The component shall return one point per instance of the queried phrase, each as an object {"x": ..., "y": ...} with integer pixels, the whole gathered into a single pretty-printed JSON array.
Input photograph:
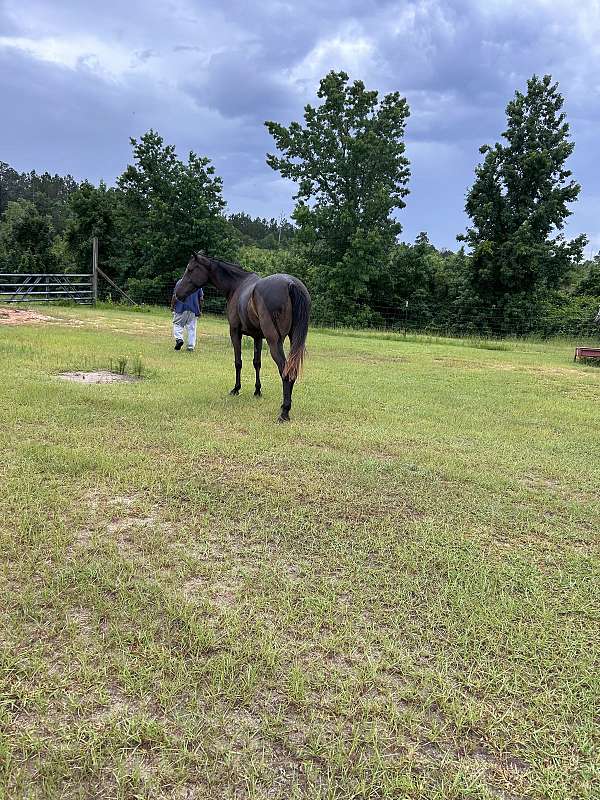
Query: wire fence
[
  {"x": 481, "y": 322},
  {"x": 442, "y": 321},
  {"x": 214, "y": 303}
]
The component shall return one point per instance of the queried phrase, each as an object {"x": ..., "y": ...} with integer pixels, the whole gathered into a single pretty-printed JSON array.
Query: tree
[
  {"x": 519, "y": 203},
  {"x": 25, "y": 239},
  {"x": 93, "y": 213},
  {"x": 13, "y": 186},
  {"x": 417, "y": 275},
  {"x": 268, "y": 262},
  {"x": 49, "y": 193},
  {"x": 268, "y": 234},
  {"x": 589, "y": 283},
  {"x": 167, "y": 208},
  {"x": 349, "y": 165}
]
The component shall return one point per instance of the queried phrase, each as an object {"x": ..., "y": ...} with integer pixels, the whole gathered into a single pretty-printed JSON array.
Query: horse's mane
[{"x": 229, "y": 266}]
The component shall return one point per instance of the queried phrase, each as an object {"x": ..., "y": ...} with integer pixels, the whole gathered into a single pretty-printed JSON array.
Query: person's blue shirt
[{"x": 191, "y": 303}]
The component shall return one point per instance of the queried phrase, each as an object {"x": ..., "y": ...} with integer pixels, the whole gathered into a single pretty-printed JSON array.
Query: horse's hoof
[
  {"x": 234, "y": 391},
  {"x": 281, "y": 418},
  {"x": 258, "y": 393}
]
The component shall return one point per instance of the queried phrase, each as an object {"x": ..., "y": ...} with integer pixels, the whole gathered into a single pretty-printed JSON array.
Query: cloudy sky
[{"x": 78, "y": 79}]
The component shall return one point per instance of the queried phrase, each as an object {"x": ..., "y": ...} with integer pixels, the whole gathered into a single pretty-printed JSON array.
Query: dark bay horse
[{"x": 271, "y": 308}]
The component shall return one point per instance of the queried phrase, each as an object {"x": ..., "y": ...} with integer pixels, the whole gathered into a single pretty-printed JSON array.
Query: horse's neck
[{"x": 226, "y": 277}]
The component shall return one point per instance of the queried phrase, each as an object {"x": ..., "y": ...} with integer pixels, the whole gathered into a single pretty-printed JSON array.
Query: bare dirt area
[
  {"x": 19, "y": 316},
  {"x": 101, "y": 376}
]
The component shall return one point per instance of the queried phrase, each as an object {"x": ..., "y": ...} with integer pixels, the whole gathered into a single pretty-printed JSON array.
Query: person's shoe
[
  {"x": 178, "y": 344},
  {"x": 190, "y": 349}
]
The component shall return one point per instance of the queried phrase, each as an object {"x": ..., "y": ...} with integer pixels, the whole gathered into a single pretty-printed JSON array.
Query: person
[{"x": 185, "y": 314}]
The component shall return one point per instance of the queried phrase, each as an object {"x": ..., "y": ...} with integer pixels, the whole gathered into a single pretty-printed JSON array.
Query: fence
[
  {"x": 481, "y": 322},
  {"x": 46, "y": 287},
  {"x": 443, "y": 320}
]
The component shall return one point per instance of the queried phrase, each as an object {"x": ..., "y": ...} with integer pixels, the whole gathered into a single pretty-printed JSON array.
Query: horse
[{"x": 270, "y": 308}]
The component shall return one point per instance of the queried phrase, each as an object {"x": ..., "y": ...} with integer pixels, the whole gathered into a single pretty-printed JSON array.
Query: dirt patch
[
  {"x": 18, "y": 316},
  {"x": 189, "y": 792},
  {"x": 123, "y": 500},
  {"x": 80, "y": 619},
  {"x": 118, "y": 525},
  {"x": 539, "y": 482},
  {"x": 102, "y": 376},
  {"x": 192, "y": 587},
  {"x": 83, "y": 537},
  {"x": 224, "y": 595},
  {"x": 117, "y": 705},
  {"x": 140, "y": 765}
]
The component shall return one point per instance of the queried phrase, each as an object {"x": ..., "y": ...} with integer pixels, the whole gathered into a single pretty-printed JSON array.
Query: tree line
[{"x": 513, "y": 272}]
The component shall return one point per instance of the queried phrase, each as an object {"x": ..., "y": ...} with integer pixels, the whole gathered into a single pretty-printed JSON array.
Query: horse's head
[{"x": 196, "y": 275}]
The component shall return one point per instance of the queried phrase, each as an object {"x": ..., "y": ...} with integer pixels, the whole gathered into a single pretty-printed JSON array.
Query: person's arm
[{"x": 200, "y": 302}]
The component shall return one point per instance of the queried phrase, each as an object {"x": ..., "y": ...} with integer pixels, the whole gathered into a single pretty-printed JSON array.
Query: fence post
[{"x": 95, "y": 270}]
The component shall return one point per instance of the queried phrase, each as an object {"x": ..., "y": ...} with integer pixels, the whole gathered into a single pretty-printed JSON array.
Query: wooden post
[{"x": 95, "y": 270}]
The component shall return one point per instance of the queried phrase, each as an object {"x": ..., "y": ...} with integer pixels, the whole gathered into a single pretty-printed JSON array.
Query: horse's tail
[{"x": 300, "y": 313}]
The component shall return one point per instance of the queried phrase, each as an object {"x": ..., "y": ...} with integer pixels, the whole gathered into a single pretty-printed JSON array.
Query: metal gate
[{"x": 44, "y": 288}]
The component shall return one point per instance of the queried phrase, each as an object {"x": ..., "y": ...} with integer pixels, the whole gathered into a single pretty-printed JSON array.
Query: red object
[{"x": 587, "y": 352}]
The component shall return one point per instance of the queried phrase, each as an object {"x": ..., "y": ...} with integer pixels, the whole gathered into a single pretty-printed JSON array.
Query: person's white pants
[{"x": 183, "y": 321}]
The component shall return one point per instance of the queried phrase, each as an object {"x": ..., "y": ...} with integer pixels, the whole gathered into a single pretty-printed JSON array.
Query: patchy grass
[{"x": 397, "y": 595}]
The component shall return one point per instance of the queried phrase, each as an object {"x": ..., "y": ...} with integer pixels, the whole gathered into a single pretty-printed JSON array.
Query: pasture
[{"x": 396, "y": 595}]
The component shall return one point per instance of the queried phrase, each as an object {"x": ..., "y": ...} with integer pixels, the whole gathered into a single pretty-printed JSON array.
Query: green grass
[{"x": 396, "y": 595}]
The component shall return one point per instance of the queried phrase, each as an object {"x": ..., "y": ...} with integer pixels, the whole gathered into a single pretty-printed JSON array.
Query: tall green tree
[
  {"x": 167, "y": 208},
  {"x": 417, "y": 277},
  {"x": 93, "y": 213},
  {"x": 49, "y": 193},
  {"x": 269, "y": 234},
  {"x": 26, "y": 238},
  {"x": 348, "y": 161},
  {"x": 589, "y": 282},
  {"x": 518, "y": 205},
  {"x": 13, "y": 185}
]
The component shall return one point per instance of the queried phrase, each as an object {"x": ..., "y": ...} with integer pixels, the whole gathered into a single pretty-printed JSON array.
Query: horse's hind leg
[
  {"x": 236, "y": 341},
  {"x": 288, "y": 386},
  {"x": 278, "y": 354},
  {"x": 257, "y": 363}
]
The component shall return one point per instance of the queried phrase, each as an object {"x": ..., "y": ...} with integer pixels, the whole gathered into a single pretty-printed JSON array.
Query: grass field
[{"x": 397, "y": 595}]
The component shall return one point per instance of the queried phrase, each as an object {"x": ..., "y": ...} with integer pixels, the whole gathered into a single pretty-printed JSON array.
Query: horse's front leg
[
  {"x": 236, "y": 341},
  {"x": 257, "y": 363}
]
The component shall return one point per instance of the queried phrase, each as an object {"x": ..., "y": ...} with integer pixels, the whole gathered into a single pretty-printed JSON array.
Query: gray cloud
[
  {"x": 7, "y": 26},
  {"x": 240, "y": 85},
  {"x": 76, "y": 81},
  {"x": 64, "y": 120}
]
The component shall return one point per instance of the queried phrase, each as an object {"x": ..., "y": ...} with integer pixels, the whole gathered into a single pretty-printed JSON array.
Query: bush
[{"x": 569, "y": 315}]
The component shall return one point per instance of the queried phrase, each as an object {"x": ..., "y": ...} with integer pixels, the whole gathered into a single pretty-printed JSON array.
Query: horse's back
[{"x": 274, "y": 290}]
